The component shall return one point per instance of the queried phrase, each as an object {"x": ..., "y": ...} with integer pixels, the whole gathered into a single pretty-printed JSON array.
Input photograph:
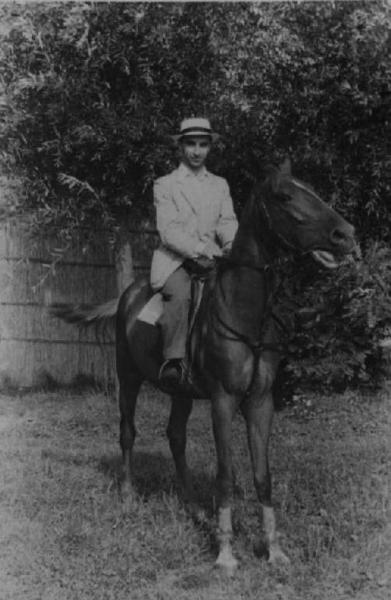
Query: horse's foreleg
[
  {"x": 129, "y": 386},
  {"x": 223, "y": 410},
  {"x": 176, "y": 433},
  {"x": 258, "y": 413}
]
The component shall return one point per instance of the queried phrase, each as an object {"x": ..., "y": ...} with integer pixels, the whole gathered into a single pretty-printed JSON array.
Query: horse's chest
[
  {"x": 241, "y": 372},
  {"x": 233, "y": 370}
]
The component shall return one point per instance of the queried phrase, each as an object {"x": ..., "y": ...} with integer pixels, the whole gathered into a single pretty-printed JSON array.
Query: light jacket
[{"x": 190, "y": 211}]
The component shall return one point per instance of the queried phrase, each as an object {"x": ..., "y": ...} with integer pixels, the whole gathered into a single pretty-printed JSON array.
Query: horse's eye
[
  {"x": 298, "y": 216},
  {"x": 284, "y": 197}
]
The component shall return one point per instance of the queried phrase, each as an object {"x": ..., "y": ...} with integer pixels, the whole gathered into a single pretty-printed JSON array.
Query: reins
[{"x": 257, "y": 346}]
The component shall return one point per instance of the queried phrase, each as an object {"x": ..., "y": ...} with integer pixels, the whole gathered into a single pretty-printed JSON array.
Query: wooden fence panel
[
  {"x": 35, "y": 273},
  {"x": 26, "y": 281}
]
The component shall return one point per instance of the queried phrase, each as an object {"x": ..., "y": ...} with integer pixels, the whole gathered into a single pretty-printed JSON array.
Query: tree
[{"x": 91, "y": 95}]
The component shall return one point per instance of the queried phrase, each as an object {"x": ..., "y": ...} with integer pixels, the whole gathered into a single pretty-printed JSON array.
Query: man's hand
[
  {"x": 199, "y": 266},
  {"x": 211, "y": 250},
  {"x": 204, "y": 263}
]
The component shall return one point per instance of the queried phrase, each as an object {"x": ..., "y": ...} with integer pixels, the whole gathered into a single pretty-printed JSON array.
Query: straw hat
[{"x": 195, "y": 127}]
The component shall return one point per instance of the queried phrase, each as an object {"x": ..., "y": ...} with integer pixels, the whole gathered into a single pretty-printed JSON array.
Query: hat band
[{"x": 196, "y": 130}]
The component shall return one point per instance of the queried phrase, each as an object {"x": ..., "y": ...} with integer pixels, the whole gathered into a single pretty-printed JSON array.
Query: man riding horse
[
  {"x": 237, "y": 353},
  {"x": 196, "y": 223}
]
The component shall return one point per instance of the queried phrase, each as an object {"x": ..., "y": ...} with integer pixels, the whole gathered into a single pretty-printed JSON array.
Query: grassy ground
[{"x": 65, "y": 536}]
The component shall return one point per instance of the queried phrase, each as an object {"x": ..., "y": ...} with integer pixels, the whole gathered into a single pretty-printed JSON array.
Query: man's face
[{"x": 195, "y": 150}]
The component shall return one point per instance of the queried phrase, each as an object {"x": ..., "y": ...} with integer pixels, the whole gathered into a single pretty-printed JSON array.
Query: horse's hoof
[
  {"x": 278, "y": 558},
  {"x": 227, "y": 565},
  {"x": 127, "y": 496}
]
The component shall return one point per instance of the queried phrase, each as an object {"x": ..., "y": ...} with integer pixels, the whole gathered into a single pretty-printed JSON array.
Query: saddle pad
[{"x": 152, "y": 311}]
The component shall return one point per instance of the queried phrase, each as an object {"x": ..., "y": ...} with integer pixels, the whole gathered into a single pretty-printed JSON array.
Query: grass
[{"x": 65, "y": 534}]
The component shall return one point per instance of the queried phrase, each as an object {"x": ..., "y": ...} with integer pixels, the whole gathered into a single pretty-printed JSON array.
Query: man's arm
[{"x": 228, "y": 224}]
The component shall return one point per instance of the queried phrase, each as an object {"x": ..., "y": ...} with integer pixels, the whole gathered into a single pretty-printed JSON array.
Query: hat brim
[{"x": 180, "y": 136}]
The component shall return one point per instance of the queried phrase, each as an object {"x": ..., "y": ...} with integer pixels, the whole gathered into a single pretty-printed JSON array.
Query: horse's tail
[{"x": 85, "y": 315}]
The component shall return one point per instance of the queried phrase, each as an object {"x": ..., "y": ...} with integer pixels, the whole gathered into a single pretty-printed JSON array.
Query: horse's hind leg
[
  {"x": 129, "y": 387},
  {"x": 176, "y": 433}
]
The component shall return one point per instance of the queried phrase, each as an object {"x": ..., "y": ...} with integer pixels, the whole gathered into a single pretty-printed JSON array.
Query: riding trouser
[{"x": 175, "y": 318}]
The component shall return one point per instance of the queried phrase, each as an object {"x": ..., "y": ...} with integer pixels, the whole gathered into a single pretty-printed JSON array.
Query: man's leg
[{"x": 174, "y": 321}]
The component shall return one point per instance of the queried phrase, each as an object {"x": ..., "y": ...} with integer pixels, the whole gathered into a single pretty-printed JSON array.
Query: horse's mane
[
  {"x": 271, "y": 176},
  {"x": 266, "y": 183},
  {"x": 268, "y": 170}
]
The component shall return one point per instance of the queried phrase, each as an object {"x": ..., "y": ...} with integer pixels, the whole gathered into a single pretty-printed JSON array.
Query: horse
[{"x": 235, "y": 345}]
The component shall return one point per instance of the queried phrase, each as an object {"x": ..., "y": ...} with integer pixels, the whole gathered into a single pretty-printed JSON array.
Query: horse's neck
[
  {"x": 254, "y": 241},
  {"x": 247, "y": 286}
]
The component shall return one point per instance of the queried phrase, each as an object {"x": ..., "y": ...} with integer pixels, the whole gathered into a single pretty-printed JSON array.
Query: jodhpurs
[{"x": 174, "y": 320}]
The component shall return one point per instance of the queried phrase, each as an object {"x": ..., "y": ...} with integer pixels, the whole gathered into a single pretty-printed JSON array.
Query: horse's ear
[{"x": 286, "y": 167}]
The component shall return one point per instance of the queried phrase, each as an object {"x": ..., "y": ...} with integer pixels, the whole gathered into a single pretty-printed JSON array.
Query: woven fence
[{"x": 36, "y": 348}]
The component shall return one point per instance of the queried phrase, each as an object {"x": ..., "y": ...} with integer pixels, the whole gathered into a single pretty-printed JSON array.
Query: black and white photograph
[{"x": 195, "y": 299}]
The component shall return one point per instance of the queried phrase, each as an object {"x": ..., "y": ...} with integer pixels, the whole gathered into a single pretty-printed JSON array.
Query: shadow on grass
[
  {"x": 154, "y": 473},
  {"x": 154, "y": 476}
]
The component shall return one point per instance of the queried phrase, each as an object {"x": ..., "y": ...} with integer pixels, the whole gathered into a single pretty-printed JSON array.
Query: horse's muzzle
[{"x": 342, "y": 238}]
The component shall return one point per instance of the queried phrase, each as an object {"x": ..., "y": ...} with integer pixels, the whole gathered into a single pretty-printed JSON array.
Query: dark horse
[{"x": 235, "y": 346}]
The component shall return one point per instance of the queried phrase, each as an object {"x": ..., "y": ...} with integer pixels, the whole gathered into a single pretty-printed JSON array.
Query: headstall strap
[{"x": 269, "y": 222}]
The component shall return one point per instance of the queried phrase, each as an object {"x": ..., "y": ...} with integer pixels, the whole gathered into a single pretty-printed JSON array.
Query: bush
[{"x": 341, "y": 319}]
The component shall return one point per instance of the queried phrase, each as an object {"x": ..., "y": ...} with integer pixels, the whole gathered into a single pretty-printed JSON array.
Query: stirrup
[{"x": 179, "y": 365}]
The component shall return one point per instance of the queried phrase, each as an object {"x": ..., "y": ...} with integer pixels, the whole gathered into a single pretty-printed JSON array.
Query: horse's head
[{"x": 304, "y": 222}]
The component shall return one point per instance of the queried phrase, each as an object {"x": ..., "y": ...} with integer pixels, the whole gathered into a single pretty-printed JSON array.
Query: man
[{"x": 195, "y": 220}]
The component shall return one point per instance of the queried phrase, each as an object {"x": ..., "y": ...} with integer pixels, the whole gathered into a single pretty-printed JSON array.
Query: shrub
[{"x": 350, "y": 310}]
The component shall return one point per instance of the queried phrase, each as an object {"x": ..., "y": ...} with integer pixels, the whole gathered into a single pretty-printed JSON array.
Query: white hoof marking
[
  {"x": 227, "y": 563},
  {"x": 277, "y": 557}
]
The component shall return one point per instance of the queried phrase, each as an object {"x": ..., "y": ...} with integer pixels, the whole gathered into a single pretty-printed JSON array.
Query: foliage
[
  {"x": 91, "y": 92},
  {"x": 341, "y": 345}
]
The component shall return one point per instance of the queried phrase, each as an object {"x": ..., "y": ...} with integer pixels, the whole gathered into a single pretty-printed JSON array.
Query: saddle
[{"x": 153, "y": 309}]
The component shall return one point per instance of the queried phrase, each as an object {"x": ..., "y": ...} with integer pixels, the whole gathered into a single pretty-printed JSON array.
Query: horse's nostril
[{"x": 338, "y": 236}]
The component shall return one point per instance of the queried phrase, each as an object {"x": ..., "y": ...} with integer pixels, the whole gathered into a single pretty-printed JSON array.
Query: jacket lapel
[{"x": 188, "y": 191}]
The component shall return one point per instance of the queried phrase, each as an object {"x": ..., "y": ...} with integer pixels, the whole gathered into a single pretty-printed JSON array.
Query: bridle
[
  {"x": 232, "y": 334},
  {"x": 279, "y": 235}
]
